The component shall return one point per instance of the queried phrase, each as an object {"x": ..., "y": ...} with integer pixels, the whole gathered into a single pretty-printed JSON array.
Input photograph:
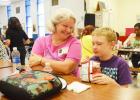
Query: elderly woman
[{"x": 60, "y": 50}]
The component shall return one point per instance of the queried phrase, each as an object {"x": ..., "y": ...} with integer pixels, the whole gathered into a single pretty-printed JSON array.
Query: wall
[
  {"x": 34, "y": 14},
  {"x": 129, "y": 10},
  {"x": 3, "y": 16},
  {"x": 114, "y": 10},
  {"x": 123, "y": 12},
  {"x": 91, "y": 5},
  {"x": 3, "y": 19},
  {"x": 73, "y": 5},
  {"x": 20, "y": 15},
  {"x": 77, "y": 8},
  {"x": 104, "y": 16}
]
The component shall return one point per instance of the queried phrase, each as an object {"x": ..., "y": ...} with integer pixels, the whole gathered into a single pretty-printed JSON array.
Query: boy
[{"x": 114, "y": 69}]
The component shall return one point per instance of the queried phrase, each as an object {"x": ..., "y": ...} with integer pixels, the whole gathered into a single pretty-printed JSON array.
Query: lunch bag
[{"x": 32, "y": 85}]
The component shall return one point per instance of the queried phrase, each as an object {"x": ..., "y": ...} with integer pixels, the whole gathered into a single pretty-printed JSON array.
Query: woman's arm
[
  {"x": 62, "y": 67},
  {"x": 37, "y": 62}
]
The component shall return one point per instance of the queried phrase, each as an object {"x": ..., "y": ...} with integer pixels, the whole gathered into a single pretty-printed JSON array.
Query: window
[
  {"x": 29, "y": 28},
  {"x": 41, "y": 17},
  {"x": 9, "y": 11}
]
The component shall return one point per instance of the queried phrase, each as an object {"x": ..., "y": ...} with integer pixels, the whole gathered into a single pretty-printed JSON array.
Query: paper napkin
[{"x": 77, "y": 87}]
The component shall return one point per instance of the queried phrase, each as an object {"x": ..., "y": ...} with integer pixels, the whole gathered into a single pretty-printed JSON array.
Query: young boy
[{"x": 115, "y": 70}]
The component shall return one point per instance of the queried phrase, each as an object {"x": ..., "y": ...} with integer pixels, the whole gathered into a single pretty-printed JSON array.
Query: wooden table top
[
  {"x": 5, "y": 64},
  {"x": 5, "y": 68},
  {"x": 96, "y": 92}
]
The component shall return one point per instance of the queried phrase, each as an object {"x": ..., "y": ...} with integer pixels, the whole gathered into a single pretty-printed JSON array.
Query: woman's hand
[
  {"x": 34, "y": 60},
  {"x": 85, "y": 60},
  {"x": 102, "y": 79},
  {"x": 26, "y": 41},
  {"x": 7, "y": 42}
]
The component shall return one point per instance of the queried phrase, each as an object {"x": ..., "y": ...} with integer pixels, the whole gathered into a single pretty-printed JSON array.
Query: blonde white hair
[{"x": 59, "y": 16}]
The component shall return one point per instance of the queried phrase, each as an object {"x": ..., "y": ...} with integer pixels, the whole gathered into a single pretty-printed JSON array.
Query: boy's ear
[{"x": 113, "y": 43}]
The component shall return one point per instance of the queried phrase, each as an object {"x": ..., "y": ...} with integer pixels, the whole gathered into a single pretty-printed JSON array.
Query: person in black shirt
[{"x": 16, "y": 37}]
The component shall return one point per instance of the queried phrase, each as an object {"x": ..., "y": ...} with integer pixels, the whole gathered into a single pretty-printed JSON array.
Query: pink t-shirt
[{"x": 71, "y": 49}]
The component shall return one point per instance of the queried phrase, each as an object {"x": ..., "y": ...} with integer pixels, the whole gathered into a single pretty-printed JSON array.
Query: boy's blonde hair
[{"x": 107, "y": 32}]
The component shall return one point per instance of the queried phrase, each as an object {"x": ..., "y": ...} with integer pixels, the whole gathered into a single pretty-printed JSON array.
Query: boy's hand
[
  {"x": 7, "y": 42},
  {"x": 100, "y": 78}
]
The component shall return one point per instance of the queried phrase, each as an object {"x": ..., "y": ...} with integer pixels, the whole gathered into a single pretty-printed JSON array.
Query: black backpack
[{"x": 32, "y": 85}]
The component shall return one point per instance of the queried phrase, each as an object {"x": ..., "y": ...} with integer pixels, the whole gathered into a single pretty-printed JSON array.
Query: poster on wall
[{"x": 17, "y": 10}]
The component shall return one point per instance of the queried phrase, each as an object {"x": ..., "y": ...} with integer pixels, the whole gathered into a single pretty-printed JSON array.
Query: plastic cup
[{"x": 96, "y": 67}]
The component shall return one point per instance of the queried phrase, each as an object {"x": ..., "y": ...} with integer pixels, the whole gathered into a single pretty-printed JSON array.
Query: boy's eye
[
  {"x": 65, "y": 26},
  {"x": 99, "y": 43}
]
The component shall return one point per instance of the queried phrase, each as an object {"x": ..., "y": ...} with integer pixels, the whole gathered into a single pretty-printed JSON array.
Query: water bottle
[{"x": 15, "y": 59}]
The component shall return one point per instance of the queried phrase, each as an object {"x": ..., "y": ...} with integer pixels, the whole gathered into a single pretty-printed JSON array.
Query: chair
[
  {"x": 122, "y": 38},
  {"x": 35, "y": 36}
]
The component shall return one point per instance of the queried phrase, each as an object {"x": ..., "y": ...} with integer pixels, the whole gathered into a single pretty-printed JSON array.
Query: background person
[
  {"x": 86, "y": 43},
  {"x": 134, "y": 41},
  {"x": 16, "y": 37},
  {"x": 134, "y": 38},
  {"x": 60, "y": 49}
]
